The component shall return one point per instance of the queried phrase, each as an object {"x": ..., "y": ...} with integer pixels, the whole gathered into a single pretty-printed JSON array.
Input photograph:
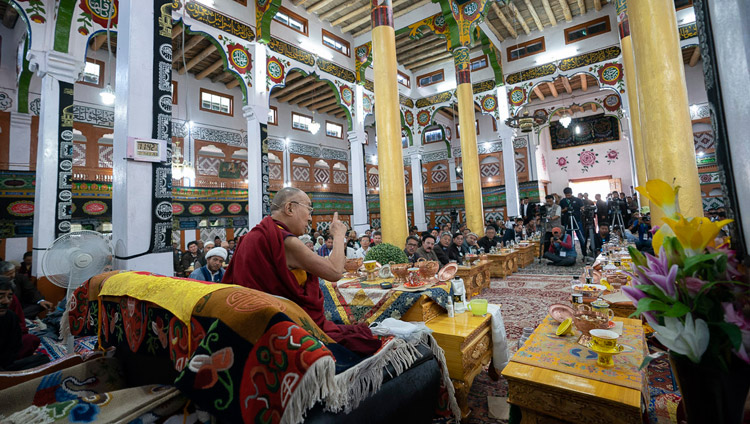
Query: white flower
[{"x": 690, "y": 339}]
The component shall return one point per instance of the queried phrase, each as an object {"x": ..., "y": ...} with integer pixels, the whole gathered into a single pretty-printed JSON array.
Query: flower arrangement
[{"x": 692, "y": 292}]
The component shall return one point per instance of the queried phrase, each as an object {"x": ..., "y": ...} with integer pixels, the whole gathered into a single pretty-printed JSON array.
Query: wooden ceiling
[
  {"x": 9, "y": 15},
  {"x": 100, "y": 42},
  {"x": 563, "y": 85},
  {"x": 520, "y": 17},
  {"x": 201, "y": 58},
  {"x": 691, "y": 55},
  {"x": 310, "y": 93}
]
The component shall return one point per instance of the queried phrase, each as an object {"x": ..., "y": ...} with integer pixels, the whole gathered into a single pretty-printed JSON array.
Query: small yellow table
[
  {"x": 476, "y": 278},
  {"x": 467, "y": 342}
]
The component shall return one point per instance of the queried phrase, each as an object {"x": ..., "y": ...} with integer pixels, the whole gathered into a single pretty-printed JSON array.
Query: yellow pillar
[
  {"x": 469, "y": 156},
  {"x": 666, "y": 129},
  {"x": 388, "y": 126},
  {"x": 630, "y": 80}
]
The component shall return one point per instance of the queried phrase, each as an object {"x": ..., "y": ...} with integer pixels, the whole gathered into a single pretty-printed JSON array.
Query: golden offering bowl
[{"x": 370, "y": 265}]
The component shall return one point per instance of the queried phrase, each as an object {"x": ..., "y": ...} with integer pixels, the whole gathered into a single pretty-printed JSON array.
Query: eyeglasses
[
  {"x": 309, "y": 208},
  {"x": 412, "y": 244}
]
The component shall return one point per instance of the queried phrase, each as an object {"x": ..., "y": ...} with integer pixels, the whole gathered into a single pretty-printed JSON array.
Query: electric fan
[{"x": 71, "y": 260}]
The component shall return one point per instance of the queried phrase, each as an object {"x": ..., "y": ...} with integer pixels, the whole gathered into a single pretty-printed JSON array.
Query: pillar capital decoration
[
  {"x": 19, "y": 118},
  {"x": 248, "y": 112},
  {"x": 356, "y": 137},
  {"x": 462, "y": 19},
  {"x": 61, "y": 66},
  {"x": 415, "y": 151}
]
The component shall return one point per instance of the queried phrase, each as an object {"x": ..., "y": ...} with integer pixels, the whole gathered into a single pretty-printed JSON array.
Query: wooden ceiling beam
[
  {"x": 584, "y": 82},
  {"x": 421, "y": 63},
  {"x": 311, "y": 97},
  {"x": 192, "y": 42},
  {"x": 290, "y": 87},
  {"x": 566, "y": 84},
  {"x": 406, "y": 39},
  {"x": 534, "y": 15},
  {"x": 209, "y": 70},
  {"x": 317, "y": 104},
  {"x": 415, "y": 55},
  {"x": 420, "y": 46},
  {"x": 177, "y": 30},
  {"x": 549, "y": 12},
  {"x": 694, "y": 58},
  {"x": 336, "y": 9},
  {"x": 538, "y": 93},
  {"x": 594, "y": 107},
  {"x": 494, "y": 30},
  {"x": 519, "y": 17},
  {"x": 10, "y": 16},
  {"x": 97, "y": 42},
  {"x": 365, "y": 19},
  {"x": 406, "y": 10},
  {"x": 598, "y": 5},
  {"x": 360, "y": 10},
  {"x": 504, "y": 20},
  {"x": 446, "y": 114},
  {"x": 198, "y": 58},
  {"x": 582, "y": 6},
  {"x": 233, "y": 83},
  {"x": 566, "y": 10},
  {"x": 319, "y": 5},
  {"x": 222, "y": 76},
  {"x": 299, "y": 2},
  {"x": 329, "y": 109},
  {"x": 552, "y": 89},
  {"x": 296, "y": 91}
]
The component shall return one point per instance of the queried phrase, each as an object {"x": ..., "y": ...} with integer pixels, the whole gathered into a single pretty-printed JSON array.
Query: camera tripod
[
  {"x": 573, "y": 228},
  {"x": 617, "y": 222},
  {"x": 544, "y": 235}
]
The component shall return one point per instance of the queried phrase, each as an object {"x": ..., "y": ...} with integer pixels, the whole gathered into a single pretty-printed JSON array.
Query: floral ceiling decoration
[{"x": 587, "y": 159}]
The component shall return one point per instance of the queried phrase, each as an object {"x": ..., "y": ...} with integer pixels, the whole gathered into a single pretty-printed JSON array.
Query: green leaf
[
  {"x": 637, "y": 256},
  {"x": 648, "y": 304},
  {"x": 655, "y": 292},
  {"x": 678, "y": 309},
  {"x": 733, "y": 332},
  {"x": 648, "y": 358},
  {"x": 693, "y": 261}
]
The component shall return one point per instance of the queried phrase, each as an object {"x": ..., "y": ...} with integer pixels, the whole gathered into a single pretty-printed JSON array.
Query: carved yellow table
[
  {"x": 467, "y": 342},
  {"x": 503, "y": 264},
  {"x": 476, "y": 278},
  {"x": 548, "y": 395}
]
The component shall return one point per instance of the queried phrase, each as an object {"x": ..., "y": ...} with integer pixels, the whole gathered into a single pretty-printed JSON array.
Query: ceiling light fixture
[
  {"x": 578, "y": 129},
  {"x": 314, "y": 126},
  {"x": 108, "y": 95},
  {"x": 565, "y": 121}
]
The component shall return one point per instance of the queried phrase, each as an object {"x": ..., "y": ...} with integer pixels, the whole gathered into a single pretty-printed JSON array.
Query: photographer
[
  {"x": 642, "y": 227},
  {"x": 571, "y": 207},
  {"x": 552, "y": 212},
  {"x": 601, "y": 209},
  {"x": 561, "y": 252},
  {"x": 602, "y": 238}
]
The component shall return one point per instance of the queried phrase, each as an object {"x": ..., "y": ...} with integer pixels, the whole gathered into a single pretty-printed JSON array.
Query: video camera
[{"x": 542, "y": 208}]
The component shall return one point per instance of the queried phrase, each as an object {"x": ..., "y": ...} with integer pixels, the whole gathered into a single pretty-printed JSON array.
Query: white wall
[
  {"x": 284, "y": 128},
  {"x": 696, "y": 85},
  {"x": 8, "y": 56},
  {"x": 188, "y": 100}
]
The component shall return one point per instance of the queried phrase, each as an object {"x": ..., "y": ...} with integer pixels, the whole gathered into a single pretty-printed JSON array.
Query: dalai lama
[{"x": 271, "y": 258}]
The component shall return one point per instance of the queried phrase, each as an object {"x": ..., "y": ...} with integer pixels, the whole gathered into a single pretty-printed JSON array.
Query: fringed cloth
[{"x": 248, "y": 355}]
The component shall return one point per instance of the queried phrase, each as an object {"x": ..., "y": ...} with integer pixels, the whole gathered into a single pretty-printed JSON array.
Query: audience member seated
[
  {"x": 412, "y": 244},
  {"x": 364, "y": 243},
  {"x": 513, "y": 234},
  {"x": 490, "y": 239},
  {"x": 271, "y": 258},
  {"x": 26, "y": 265},
  {"x": 13, "y": 355},
  {"x": 471, "y": 243},
  {"x": 456, "y": 249},
  {"x": 427, "y": 251},
  {"x": 602, "y": 238},
  {"x": 642, "y": 227},
  {"x": 307, "y": 241},
  {"x": 377, "y": 238},
  {"x": 441, "y": 250},
  {"x": 212, "y": 271},
  {"x": 177, "y": 260},
  {"x": 192, "y": 258},
  {"x": 562, "y": 251},
  {"x": 320, "y": 241},
  {"x": 352, "y": 241},
  {"x": 32, "y": 302},
  {"x": 326, "y": 249}
]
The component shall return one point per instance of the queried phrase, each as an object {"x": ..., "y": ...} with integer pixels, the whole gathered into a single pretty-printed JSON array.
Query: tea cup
[
  {"x": 601, "y": 306},
  {"x": 370, "y": 265},
  {"x": 604, "y": 340},
  {"x": 478, "y": 307}
]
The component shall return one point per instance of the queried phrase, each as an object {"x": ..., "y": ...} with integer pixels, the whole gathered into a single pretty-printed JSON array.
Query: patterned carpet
[{"x": 525, "y": 299}]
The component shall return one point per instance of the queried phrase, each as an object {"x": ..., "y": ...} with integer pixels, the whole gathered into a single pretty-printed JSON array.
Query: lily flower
[
  {"x": 689, "y": 338},
  {"x": 662, "y": 195},
  {"x": 736, "y": 317},
  {"x": 665, "y": 282},
  {"x": 694, "y": 285},
  {"x": 695, "y": 234}
]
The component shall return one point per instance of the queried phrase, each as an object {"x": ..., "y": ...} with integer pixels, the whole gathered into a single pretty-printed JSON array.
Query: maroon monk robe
[{"x": 259, "y": 262}]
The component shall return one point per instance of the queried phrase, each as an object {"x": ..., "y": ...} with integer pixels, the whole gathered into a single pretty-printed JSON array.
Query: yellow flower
[
  {"x": 694, "y": 234},
  {"x": 661, "y": 195}
]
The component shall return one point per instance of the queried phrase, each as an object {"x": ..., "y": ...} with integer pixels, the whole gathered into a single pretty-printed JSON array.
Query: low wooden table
[
  {"x": 467, "y": 342},
  {"x": 423, "y": 310},
  {"x": 526, "y": 254},
  {"x": 502, "y": 264},
  {"x": 546, "y": 395},
  {"x": 476, "y": 278}
]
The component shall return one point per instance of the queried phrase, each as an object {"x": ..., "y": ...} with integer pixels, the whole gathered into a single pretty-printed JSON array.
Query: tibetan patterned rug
[{"x": 525, "y": 299}]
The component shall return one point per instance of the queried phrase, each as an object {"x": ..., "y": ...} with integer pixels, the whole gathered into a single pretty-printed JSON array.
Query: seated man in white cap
[{"x": 212, "y": 270}]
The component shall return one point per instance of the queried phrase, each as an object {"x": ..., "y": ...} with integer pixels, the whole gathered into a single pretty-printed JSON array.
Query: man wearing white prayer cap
[{"x": 212, "y": 271}]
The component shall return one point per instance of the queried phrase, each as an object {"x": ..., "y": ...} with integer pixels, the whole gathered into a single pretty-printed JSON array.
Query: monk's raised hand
[{"x": 338, "y": 229}]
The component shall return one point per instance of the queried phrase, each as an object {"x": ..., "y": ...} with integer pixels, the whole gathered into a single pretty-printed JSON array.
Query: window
[
  {"x": 273, "y": 116},
  {"x": 334, "y": 130},
  {"x": 212, "y": 101},
  {"x": 242, "y": 2},
  {"x": 478, "y": 63},
  {"x": 335, "y": 43},
  {"x": 403, "y": 79},
  {"x": 528, "y": 48},
  {"x": 93, "y": 73},
  {"x": 681, "y": 4},
  {"x": 431, "y": 78},
  {"x": 587, "y": 30},
  {"x": 432, "y": 135},
  {"x": 294, "y": 21},
  {"x": 174, "y": 92},
  {"x": 301, "y": 122},
  {"x": 476, "y": 126}
]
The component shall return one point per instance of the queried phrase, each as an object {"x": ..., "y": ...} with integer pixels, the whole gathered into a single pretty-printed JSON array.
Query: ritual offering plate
[
  {"x": 560, "y": 312},
  {"x": 448, "y": 272},
  {"x": 589, "y": 290}
]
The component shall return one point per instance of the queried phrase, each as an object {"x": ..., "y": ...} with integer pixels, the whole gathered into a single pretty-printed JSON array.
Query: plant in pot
[
  {"x": 388, "y": 254},
  {"x": 696, "y": 296}
]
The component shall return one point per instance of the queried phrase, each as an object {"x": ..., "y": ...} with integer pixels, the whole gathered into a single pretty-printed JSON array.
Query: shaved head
[{"x": 284, "y": 196}]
